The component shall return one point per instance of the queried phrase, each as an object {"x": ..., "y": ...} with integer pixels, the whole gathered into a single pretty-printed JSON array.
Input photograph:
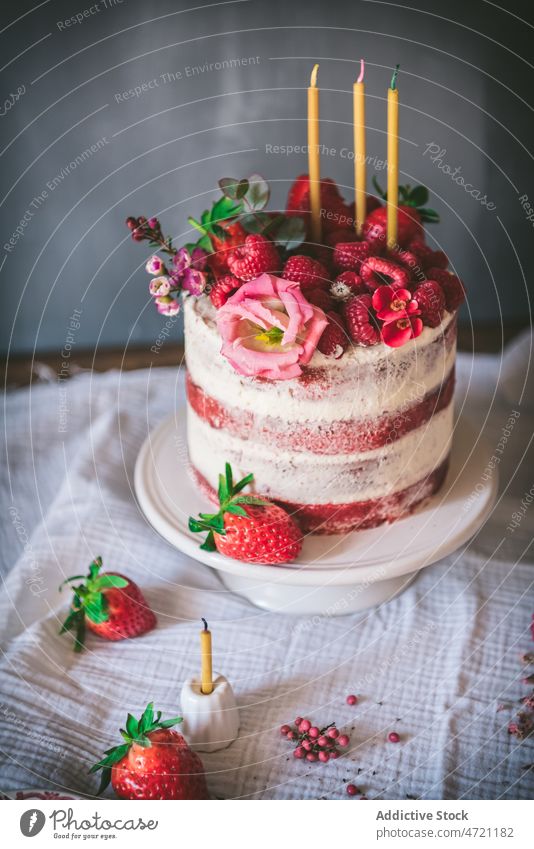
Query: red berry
[
  {"x": 377, "y": 271},
  {"x": 223, "y": 288},
  {"x": 393, "y": 737},
  {"x": 305, "y": 725},
  {"x": 427, "y": 257},
  {"x": 267, "y": 534},
  {"x": 360, "y": 320},
  {"x": 324, "y": 757},
  {"x": 307, "y": 271},
  {"x": 343, "y": 234},
  {"x": 334, "y": 754},
  {"x": 320, "y": 298},
  {"x": 343, "y": 740},
  {"x": 431, "y": 301},
  {"x": 408, "y": 225},
  {"x": 307, "y": 745},
  {"x": 298, "y": 721},
  {"x": 131, "y": 223},
  {"x": 291, "y": 735},
  {"x": 334, "y": 339},
  {"x": 311, "y": 756},
  {"x": 352, "y": 700},
  {"x": 348, "y": 256},
  {"x": 347, "y": 285},
  {"x": 314, "y": 731},
  {"x": 452, "y": 286},
  {"x": 299, "y": 752},
  {"x": 333, "y": 733},
  {"x": 352, "y": 790},
  {"x": 256, "y": 256},
  {"x": 323, "y": 741},
  {"x": 284, "y": 729}
]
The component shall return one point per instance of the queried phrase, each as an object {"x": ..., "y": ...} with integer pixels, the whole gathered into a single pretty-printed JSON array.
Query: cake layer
[
  {"x": 343, "y": 518},
  {"x": 305, "y": 478},
  {"x": 366, "y": 383},
  {"x": 316, "y": 436}
]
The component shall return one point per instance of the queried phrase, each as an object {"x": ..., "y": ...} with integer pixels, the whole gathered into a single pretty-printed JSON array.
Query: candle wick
[
  {"x": 362, "y": 71},
  {"x": 205, "y": 624},
  {"x": 313, "y": 78},
  {"x": 393, "y": 85}
]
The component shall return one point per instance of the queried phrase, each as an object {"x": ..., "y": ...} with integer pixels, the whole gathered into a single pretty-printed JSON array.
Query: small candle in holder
[{"x": 206, "y": 673}]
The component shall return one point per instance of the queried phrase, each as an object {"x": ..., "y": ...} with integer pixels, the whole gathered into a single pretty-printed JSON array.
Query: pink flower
[
  {"x": 167, "y": 305},
  {"x": 193, "y": 281},
  {"x": 155, "y": 265},
  {"x": 269, "y": 329},
  {"x": 159, "y": 286},
  {"x": 391, "y": 303},
  {"x": 397, "y": 333}
]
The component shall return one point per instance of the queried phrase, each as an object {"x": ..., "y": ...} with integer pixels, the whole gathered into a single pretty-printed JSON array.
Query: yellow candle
[
  {"x": 313, "y": 156},
  {"x": 359, "y": 151},
  {"x": 393, "y": 161},
  {"x": 206, "y": 675}
]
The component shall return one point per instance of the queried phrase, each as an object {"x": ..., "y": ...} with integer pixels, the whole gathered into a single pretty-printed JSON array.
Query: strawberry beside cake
[{"x": 326, "y": 371}]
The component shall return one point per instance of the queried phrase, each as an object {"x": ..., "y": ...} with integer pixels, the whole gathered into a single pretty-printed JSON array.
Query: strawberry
[
  {"x": 334, "y": 212},
  {"x": 222, "y": 289},
  {"x": 334, "y": 339},
  {"x": 256, "y": 256},
  {"x": 247, "y": 527},
  {"x": 306, "y": 271},
  {"x": 154, "y": 762},
  {"x": 233, "y": 237},
  {"x": 411, "y": 215},
  {"x": 109, "y": 604}
]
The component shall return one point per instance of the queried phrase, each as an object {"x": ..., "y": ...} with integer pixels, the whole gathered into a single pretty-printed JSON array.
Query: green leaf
[
  {"x": 113, "y": 756},
  {"x": 430, "y": 216},
  {"x": 236, "y": 510},
  {"x": 198, "y": 527},
  {"x": 242, "y": 188},
  {"x": 73, "y": 578},
  {"x": 209, "y": 543},
  {"x": 94, "y": 568},
  {"x": 229, "y": 478},
  {"x": 143, "y": 741},
  {"x": 80, "y": 633},
  {"x": 105, "y": 778},
  {"x": 225, "y": 208},
  {"x": 229, "y": 187},
  {"x": 258, "y": 192},
  {"x": 70, "y": 621},
  {"x": 243, "y": 483},
  {"x": 168, "y": 723},
  {"x": 291, "y": 233},
  {"x": 95, "y": 608},
  {"x": 418, "y": 196},
  {"x": 194, "y": 223},
  {"x": 133, "y": 726},
  {"x": 147, "y": 719},
  {"x": 107, "y": 581},
  {"x": 257, "y": 223},
  {"x": 223, "y": 492},
  {"x": 218, "y": 231}
]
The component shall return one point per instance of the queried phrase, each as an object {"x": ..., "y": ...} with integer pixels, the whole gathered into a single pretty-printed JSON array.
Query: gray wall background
[{"x": 466, "y": 85}]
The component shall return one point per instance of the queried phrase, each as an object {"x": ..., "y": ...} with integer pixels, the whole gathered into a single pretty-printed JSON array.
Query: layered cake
[{"x": 326, "y": 371}]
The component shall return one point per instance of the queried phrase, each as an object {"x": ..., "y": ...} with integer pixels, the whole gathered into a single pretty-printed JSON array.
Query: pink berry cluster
[{"x": 313, "y": 743}]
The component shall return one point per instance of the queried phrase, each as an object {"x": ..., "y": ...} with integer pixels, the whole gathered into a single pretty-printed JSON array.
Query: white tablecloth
[{"x": 433, "y": 664}]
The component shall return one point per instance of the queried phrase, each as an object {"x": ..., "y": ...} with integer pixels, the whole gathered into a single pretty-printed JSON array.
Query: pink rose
[{"x": 269, "y": 329}]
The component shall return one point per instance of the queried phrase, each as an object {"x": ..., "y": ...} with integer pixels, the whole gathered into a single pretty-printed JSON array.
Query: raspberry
[
  {"x": 334, "y": 341},
  {"x": 360, "y": 321},
  {"x": 348, "y": 256},
  {"x": 377, "y": 272},
  {"x": 428, "y": 257},
  {"x": 222, "y": 289},
  {"x": 452, "y": 286},
  {"x": 342, "y": 234},
  {"x": 307, "y": 271},
  {"x": 320, "y": 298},
  {"x": 431, "y": 301},
  {"x": 257, "y": 256},
  {"x": 347, "y": 285}
]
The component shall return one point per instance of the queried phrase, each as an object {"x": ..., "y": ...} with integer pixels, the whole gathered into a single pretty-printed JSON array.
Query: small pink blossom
[
  {"x": 167, "y": 305},
  {"x": 397, "y": 333},
  {"x": 160, "y": 286},
  {"x": 269, "y": 329},
  {"x": 155, "y": 265},
  {"x": 391, "y": 304},
  {"x": 194, "y": 281}
]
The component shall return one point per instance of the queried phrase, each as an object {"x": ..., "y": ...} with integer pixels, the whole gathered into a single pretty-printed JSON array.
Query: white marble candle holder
[{"x": 211, "y": 722}]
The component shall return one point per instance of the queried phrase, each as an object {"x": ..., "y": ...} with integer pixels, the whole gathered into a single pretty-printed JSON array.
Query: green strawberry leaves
[
  {"x": 230, "y": 501},
  {"x": 89, "y": 600},
  {"x": 137, "y": 731},
  {"x": 417, "y": 197}
]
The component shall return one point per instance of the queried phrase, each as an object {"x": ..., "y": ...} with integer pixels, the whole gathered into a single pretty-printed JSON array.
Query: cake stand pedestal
[{"x": 334, "y": 575}]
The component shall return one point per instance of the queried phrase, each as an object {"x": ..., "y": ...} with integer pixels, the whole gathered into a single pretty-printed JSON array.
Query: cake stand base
[{"x": 334, "y": 575}]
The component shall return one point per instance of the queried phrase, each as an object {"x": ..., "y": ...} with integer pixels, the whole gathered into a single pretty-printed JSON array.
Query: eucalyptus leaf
[
  {"x": 229, "y": 187},
  {"x": 291, "y": 233},
  {"x": 258, "y": 192}
]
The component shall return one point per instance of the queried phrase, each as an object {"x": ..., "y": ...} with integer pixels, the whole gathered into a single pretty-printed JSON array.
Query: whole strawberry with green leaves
[
  {"x": 153, "y": 762},
  {"x": 109, "y": 604},
  {"x": 412, "y": 213},
  {"x": 247, "y": 527}
]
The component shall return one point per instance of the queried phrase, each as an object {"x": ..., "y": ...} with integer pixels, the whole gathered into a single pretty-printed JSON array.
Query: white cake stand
[{"x": 334, "y": 575}]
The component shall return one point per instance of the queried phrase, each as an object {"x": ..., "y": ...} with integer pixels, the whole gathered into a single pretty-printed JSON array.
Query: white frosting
[
  {"x": 307, "y": 478},
  {"x": 364, "y": 383}
]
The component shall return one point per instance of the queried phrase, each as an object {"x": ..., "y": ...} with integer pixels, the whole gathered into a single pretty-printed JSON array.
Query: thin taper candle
[
  {"x": 206, "y": 672},
  {"x": 359, "y": 150},
  {"x": 393, "y": 161},
  {"x": 313, "y": 156}
]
